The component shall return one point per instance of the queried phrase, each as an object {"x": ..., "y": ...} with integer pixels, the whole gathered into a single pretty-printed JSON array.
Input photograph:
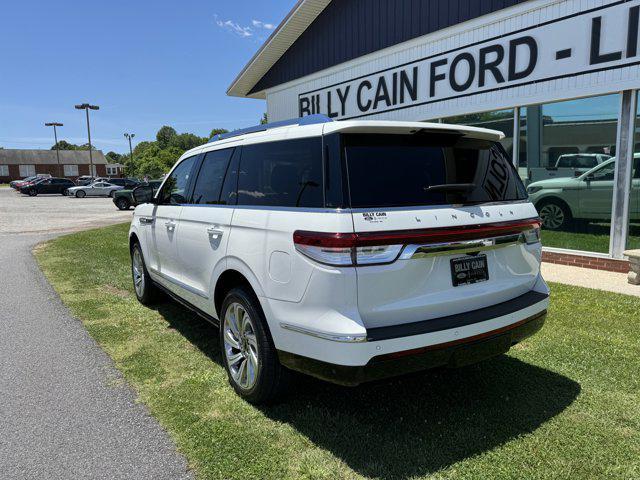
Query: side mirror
[{"x": 143, "y": 194}]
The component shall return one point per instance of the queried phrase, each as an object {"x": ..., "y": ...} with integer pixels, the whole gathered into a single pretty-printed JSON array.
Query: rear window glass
[
  {"x": 285, "y": 174},
  {"x": 424, "y": 169}
]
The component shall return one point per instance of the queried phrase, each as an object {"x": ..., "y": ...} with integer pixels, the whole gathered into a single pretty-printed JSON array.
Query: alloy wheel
[
  {"x": 138, "y": 272},
  {"x": 241, "y": 346},
  {"x": 552, "y": 216}
]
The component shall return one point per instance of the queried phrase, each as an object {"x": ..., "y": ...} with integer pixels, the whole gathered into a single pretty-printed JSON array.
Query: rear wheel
[
  {"x": 112, "y": 193},
  {"x": 65, "y": 192},
  {"x": 33, "y": 192},
  {"x": 122, "y": 204},
  {"x": 146, "y": 292},
  {"x": 250, "y": 358},
  {"x": 555, "y": 214},
  {"x": 81, "y": 194}
]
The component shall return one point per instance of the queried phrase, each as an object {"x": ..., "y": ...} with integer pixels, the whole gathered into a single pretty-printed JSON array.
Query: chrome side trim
[
  {"x": 334, "y": 337},
  {"x": 463, "y": 246},
  {"x": 180, "y": 284}
]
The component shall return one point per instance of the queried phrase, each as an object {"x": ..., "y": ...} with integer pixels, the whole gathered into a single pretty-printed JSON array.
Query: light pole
[
  {"x": 129, "y": 136},
  {"x": 86, "y": 107},
  {"x": 55, "y": 136}
]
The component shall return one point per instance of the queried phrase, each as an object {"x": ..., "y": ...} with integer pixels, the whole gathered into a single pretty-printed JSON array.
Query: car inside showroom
[{"x": 567, "y": 104}]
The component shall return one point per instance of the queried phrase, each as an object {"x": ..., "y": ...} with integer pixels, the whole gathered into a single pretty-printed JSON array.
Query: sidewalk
[{"x": 589, "y": 278}]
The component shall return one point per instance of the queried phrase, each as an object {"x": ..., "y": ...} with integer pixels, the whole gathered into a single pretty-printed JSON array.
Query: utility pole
[
  {"x": 129, "y": 136},
  {"x": 86, "y": 107},
  {"x": 55, "y": 136}
]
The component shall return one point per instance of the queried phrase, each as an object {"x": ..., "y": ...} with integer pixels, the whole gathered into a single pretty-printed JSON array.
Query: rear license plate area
[{"x": 469, "y": 269}]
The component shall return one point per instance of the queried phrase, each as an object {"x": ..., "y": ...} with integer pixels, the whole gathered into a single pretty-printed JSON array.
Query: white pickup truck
[{"x": 568, "y": 165}]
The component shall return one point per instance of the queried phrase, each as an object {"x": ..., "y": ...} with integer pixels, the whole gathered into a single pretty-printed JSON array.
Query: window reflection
[{"x": 567, "y": 160}]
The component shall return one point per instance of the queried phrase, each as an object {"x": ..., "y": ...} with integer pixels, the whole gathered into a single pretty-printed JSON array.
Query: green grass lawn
[
  {"x": 590, "y": 237},
  {"x": 564, "y": 404}
]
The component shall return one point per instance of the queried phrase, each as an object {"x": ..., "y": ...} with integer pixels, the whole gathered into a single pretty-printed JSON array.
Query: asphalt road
[{"x": 65, "y": 411}]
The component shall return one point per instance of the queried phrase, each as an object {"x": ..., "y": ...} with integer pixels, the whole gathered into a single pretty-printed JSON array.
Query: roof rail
[{"x": 306, "y": 120}]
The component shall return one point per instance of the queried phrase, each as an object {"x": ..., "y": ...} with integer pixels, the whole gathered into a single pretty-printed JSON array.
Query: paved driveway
[{"x": 65, "y": 411}]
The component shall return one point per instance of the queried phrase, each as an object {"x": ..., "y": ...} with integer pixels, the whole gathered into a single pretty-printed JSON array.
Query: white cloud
[
  {"x": 260, "y": 24},
  {"x": 233, "y": 27}
]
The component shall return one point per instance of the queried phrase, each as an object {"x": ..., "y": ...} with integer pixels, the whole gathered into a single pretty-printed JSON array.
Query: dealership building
[{"x": 558, "y": 77}]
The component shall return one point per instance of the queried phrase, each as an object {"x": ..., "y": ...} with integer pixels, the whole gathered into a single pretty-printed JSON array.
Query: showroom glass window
[
  {"x": 633, "y": 241},
  {"x": 569, "y": 147}
]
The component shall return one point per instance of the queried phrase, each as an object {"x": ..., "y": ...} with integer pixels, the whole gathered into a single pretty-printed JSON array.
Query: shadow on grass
[{"x": 414, "y": 425}]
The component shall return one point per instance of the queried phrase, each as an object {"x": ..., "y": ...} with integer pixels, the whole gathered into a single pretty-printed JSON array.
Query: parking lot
[{"x": 55, "y": 213}]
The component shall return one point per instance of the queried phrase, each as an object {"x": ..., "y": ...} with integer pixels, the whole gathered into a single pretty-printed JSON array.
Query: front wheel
[
  {"x": 555, "y": 215},
  {"x": 33, "y": 192},
  {"x": 81, "y": 194},
  {"x": 65, "y": 192},
  {"x": 250, "y": 358},
  {"x": 146, "y": 292}
]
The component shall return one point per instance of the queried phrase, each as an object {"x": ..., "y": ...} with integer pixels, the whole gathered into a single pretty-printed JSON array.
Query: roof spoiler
[{"x": 306, "y": 120}]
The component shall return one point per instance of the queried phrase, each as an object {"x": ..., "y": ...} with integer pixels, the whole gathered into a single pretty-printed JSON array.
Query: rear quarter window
[{"x": 283, "y": 174}]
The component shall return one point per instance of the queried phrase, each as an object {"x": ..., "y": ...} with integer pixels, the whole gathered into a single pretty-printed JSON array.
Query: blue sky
[{"x": 146, "y": 64}]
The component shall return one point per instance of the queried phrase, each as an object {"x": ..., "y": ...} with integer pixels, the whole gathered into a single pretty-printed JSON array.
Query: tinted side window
[
  {"x": 283, "y": 174},
  {"x": 229, "y": 195},
  {"x": 175, "y": 187},
  {"x": 209, "y": 181}
]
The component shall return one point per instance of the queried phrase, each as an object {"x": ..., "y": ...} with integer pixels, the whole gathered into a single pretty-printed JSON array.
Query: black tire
[
  {"x": 112, "y": 193},
  {"x": 33, "y": 192},
  {"x": 272, "y": 379},
  {"x": 149, "y": 294},
  {"x": 81, "y": 194},
  {"x": 555, "y": 214},
  {"x": 65, "y": 193},
  {"x": 123, "y": 204}
]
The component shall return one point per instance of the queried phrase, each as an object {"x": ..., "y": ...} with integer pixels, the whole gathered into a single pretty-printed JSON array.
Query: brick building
[{"x": 18, "y": 163}]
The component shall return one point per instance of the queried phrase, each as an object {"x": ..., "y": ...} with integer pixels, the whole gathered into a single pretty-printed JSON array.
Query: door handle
[
  {"x": 146, "y": 220},
  {"x": 215, "y": 232},
  {"x": 171, "y": 225}
]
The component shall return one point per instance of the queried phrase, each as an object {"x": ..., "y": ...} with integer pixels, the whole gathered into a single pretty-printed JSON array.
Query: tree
[
  {"x": 217, "y": 131},
  {"x": 64, "y": 145},
  {"x": 114, "y": 157},
  {"x": 165, "y": 135},
  {"x": 186, "y": 141},
  {"x": 264, "y": 119}
]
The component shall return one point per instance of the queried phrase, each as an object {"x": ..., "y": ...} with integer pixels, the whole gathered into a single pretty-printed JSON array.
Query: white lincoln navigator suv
[{"x": 350, "y": 251}]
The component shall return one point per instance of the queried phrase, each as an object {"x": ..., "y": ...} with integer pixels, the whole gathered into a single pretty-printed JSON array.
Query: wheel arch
[
  {"x": 234, "y": 276},
  {"x": 553, "y": 199}
]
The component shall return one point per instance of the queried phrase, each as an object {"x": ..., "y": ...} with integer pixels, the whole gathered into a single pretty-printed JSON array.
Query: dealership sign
[{"x": 596, "y": 40}]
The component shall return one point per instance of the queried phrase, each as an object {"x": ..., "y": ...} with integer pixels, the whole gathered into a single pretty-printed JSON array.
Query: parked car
[
  {"x": 123, "y": 199},
  {"x": 85, "y": 180},
  {"x": 568, "y": 165},
  {"x": 588, "y": 197},
  {"x": 96, "y": 189},
  {"x": 129, "y": 183},
  {"x": 350, "y": 251},
  {"x": 16, "y": 184},
  {"x": 47, "y": 186}
]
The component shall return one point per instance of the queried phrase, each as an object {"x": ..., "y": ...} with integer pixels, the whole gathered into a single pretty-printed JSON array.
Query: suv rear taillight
[{"x": 376, "y": 248}]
